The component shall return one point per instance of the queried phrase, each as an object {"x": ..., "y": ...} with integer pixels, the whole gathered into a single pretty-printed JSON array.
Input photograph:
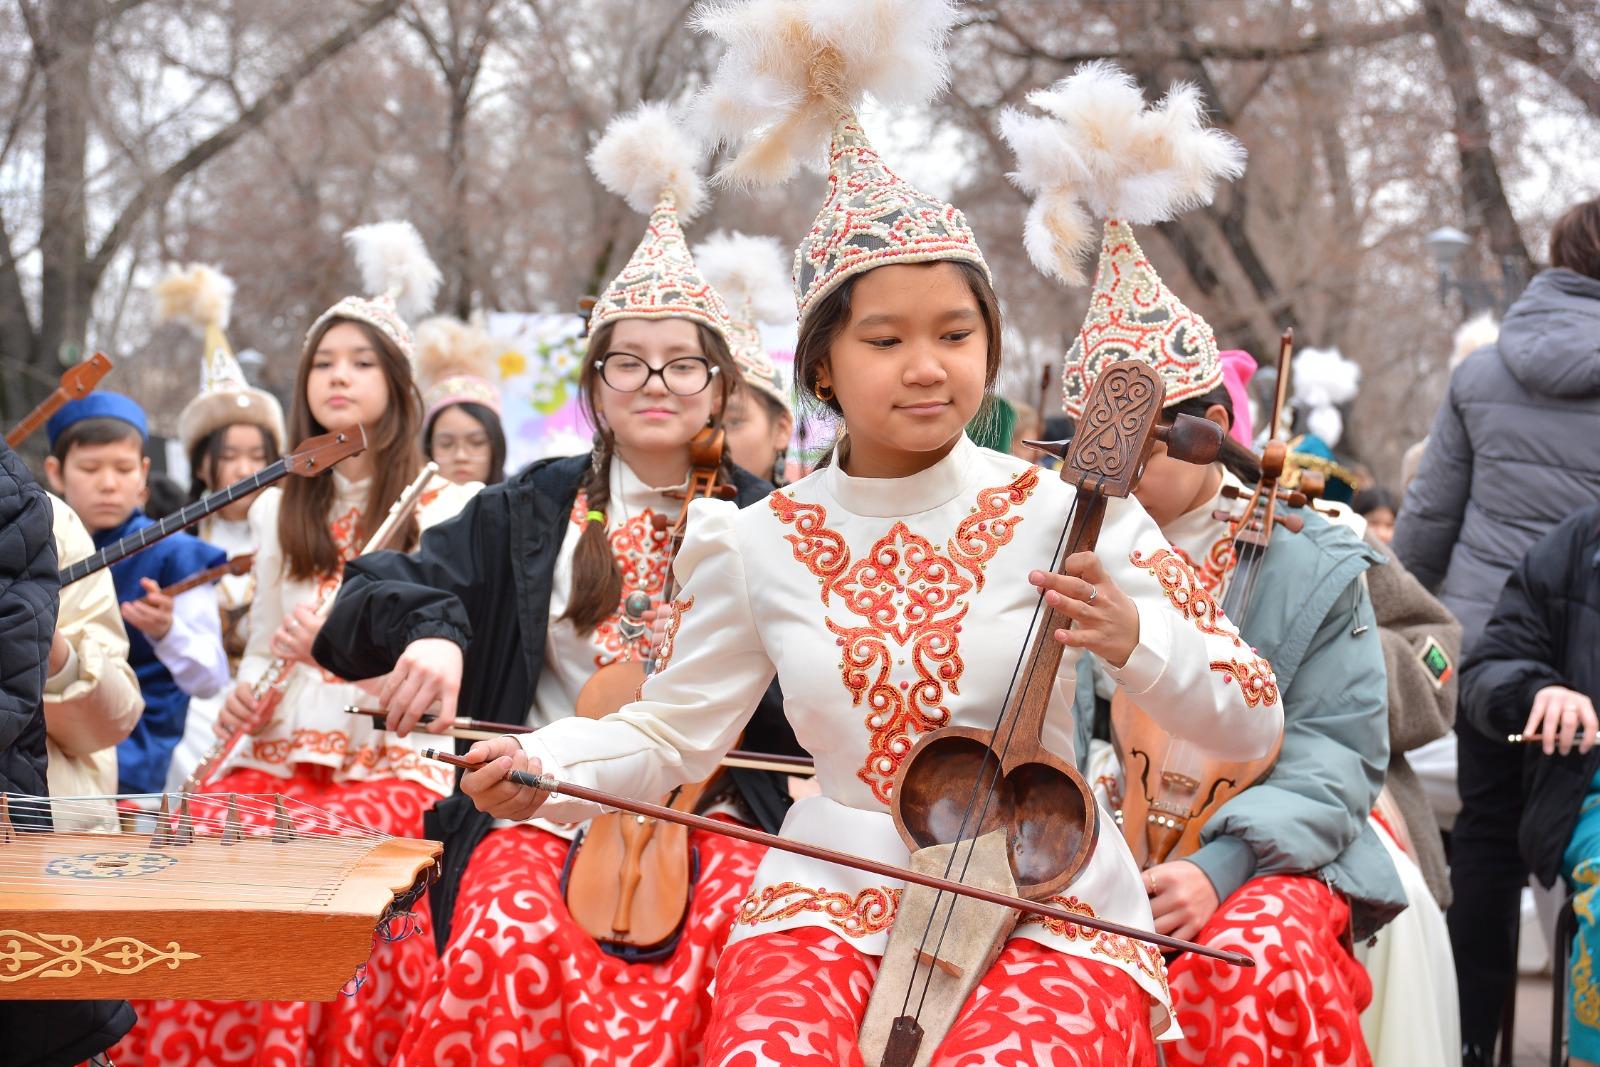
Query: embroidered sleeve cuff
[
  {"x": 1228, "y": 862},
  {"x": 1148, "y": 661}
]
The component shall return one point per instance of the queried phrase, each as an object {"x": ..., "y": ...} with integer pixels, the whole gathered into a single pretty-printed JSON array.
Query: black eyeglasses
[{"x": 684, "y": 376}]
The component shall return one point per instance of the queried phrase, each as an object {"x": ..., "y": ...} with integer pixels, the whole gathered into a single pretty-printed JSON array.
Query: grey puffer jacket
[{"x": 1514, "y": 450}]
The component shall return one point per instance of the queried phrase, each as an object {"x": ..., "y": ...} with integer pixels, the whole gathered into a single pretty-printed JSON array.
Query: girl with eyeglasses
[{"x": 517, "y": 604}]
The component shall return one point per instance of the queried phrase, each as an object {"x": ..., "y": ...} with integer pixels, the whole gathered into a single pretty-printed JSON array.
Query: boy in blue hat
[{"x": 97, "y": 464}]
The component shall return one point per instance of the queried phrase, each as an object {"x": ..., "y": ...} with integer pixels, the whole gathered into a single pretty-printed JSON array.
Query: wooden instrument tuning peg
[
  {"x": 7, "y": 834},
  {"x": 1292, "y": 523},
  {"x": 282, "y": 825},
  {"x": 1058, "y": 449},
  {"x": 163, "y": 833},
  {"x": 1191, "y": 439},
  {"x": 185, "y": 832}
]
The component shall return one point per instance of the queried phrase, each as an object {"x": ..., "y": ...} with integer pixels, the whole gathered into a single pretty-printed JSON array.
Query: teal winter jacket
[{"x": 1312, "y": 620}]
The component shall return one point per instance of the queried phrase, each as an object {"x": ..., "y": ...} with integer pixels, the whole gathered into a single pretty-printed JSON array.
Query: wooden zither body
[{"x": 229, "y": 897}]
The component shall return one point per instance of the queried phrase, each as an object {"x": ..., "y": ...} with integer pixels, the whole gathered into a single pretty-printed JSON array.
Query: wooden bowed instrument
[
  {"x": 627, "y": 879},
  {"x": 221, "y": 900},
  {"x": 76, "y": 382},
  {"x": 313, "y": 456},
  {"x": 268, "y": 690},
  {"x": 1171, "y": 788},
  {"x": 995, "y": 807}
]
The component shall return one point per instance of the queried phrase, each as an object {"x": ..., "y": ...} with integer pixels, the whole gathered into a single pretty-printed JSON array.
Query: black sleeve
[
  {"x": 30, "y": 589},
  {"x": 390, "y": 599},
  {"x": 1519, "y": 651}
]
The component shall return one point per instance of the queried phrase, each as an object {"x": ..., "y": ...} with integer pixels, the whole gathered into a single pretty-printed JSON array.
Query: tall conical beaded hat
[
  {"x": 750, "y": 273},
  {"x": 201, "y": 297},
  {"x": 646, "y": 158},
  {"x": 1099, "y": 151},
  {"x": 789, "y": 83},
  {"x": 455, "y": 365},
  {"x": 399, "y": 276}
]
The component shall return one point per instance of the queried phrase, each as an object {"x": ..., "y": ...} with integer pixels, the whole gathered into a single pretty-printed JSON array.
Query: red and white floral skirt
[
  {"x": 522, "y": 984},
  {"x": 1299, "y": 1006},
  {"x": 363, "y": 1028},
  {"x": 797, "y": 998}
]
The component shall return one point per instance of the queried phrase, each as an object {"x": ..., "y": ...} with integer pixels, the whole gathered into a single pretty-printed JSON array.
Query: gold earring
[{"x": 823, "y": 393}]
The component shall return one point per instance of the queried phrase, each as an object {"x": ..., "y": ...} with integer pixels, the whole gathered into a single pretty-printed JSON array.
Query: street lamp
[{"x": 1445, "y": 245}]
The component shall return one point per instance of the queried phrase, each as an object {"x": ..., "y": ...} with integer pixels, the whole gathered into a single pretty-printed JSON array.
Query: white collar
[{"x": 901, "y": 497}]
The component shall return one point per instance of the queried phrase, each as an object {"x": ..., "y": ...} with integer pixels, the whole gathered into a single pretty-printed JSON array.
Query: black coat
[
  {"x": 54, "y": 1032},
  {"x": 483, "y": 580},
  {"x": 1545, "y": 631}
]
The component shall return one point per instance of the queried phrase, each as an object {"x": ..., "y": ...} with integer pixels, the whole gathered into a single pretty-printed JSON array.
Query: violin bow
[
  {"x": 556, "y": 787},
  {"x": 483, "y": 730}
]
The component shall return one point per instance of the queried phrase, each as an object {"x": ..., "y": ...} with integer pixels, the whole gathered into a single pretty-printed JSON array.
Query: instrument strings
[{"x": 1024, "y": 655}]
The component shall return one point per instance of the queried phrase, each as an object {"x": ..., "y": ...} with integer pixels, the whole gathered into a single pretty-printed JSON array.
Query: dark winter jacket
[
  {"x": 483, "y": 580},
  {"x": 1545, "y": 631},
  {"x": 52, "y": 1033},
  {"x": 1514, "y": 449}
]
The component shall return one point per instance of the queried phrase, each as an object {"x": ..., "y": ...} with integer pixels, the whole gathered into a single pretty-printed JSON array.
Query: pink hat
[{"x": 1237, "y": 370}]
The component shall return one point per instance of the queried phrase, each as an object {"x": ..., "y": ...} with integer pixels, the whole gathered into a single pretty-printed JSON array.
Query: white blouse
[
  {"x": 310, "y": 725},
  {"x": 890, "y": 608}
]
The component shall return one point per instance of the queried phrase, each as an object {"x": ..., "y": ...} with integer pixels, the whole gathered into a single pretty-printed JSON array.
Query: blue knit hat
[{"x": 98, "y": 406}]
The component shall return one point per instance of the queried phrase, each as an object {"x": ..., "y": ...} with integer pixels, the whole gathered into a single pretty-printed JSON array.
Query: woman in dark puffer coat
[{"x": 1514, "y": 450}]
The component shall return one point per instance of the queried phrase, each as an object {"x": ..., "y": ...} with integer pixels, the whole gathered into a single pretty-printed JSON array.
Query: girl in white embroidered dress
[{"x": 891, "y": 591}]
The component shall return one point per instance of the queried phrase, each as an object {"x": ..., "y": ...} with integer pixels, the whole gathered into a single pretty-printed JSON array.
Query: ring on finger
[{"x": 1093, "y": 592}]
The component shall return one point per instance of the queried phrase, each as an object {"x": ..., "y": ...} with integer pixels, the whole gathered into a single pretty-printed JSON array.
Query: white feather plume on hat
[
  {"x": 647, "y": 153},
  {"x": 1100, "y": 152},
  {"x": 394, "y": 262},
  {"x": 199, "y": 296},
  {"x": 791, "y": 68},
  {"x": 1324, "y": 379},
  {"x": 751, "y": 272}
]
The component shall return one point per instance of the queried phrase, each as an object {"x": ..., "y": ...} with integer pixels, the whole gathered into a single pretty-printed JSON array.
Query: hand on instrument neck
[
  {"x": 488, "y": 787},
  {"x": 1104, "y": 619}
]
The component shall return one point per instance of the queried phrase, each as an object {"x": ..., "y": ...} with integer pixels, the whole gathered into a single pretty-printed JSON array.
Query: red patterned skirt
[
  {"x": 363, "y": 1028},
  {"x": 521, "y": 983},
  {"x": 1299, "y": 1006},
  {"x": 797, "y": 998}
]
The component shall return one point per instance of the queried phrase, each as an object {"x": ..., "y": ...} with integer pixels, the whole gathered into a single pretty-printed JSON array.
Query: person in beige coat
[{"x": 91, "y": 698}]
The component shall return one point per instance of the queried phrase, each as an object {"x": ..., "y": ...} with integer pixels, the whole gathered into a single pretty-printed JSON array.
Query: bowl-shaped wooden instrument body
[
  {"x": 611, "y": 687},
  {"x": 94, "y": 915},
  {"x": 1041, "y": 801},
  {"x": 1169, "y": 788}
]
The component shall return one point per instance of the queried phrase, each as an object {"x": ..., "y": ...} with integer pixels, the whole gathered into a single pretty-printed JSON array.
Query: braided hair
[{"x": 596, "y": 582}]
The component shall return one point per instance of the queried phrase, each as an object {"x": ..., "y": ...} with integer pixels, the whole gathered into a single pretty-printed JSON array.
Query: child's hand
[
  {"x": 292, "y": 642},
  {"x": 491, "y": 793},
  {"x": 152, "y": 614},
  {"x": 1104, "y": 619},
  {"x": 238, "y": 711},
  {"x": 1561, "y": 715},
  {"x": 428, "y": 672},
  {"x": 1182, "y": 899},
  {"x": 59, "y": 651}
]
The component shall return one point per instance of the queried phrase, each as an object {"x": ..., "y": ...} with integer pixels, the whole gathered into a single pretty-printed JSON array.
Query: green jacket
[{"x": 1312, "y": 620}]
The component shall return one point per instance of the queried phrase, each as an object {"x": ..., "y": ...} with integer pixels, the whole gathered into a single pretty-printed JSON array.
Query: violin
[
  {"x": 1171, "y": 788},
  {"x": 76, "y": 382},
  {"x": 995, "y": 807},
  {"x": 627, "y": 878}
]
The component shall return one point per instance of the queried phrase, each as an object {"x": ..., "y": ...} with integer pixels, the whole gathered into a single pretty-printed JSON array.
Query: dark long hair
[
  {"x": 828, "y": 319},
  {"x": 596, "y": 583},
  {"x": 308, "y": 547},
  {"x": 491, "y": 425},
  {"x": 207, "y": 453}
]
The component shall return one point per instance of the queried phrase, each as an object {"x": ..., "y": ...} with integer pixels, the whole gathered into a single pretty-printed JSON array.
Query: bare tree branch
[
  {"x": 1562, "y": 67},
  {"x": 158, "y": 188}
]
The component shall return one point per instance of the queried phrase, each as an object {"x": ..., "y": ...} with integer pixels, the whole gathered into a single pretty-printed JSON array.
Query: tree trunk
[
  {"x": 64, "y": 297},
  {"x": 458, "y": 245},
  {"x": 1483, "y": 196}
]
